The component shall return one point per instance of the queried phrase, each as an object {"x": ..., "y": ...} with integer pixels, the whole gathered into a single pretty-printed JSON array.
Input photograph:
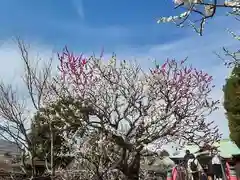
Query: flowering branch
[
  {"x": 132, "y": 108},
  {"x": 203, "y": 10}
]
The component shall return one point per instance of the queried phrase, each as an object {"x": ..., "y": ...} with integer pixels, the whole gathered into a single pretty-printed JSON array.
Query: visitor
[
  {"x": 186, "y": 157},
  {"x": 237, "y": 169},
  {"x": 217, "y": 167},
  {"x": 210, "y": 170},
  {"x": 228, "y": 171},
  {"x": 194, "y": 168}
]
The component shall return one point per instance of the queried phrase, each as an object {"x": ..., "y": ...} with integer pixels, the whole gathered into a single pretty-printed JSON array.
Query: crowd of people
[{"x": 214, "y": 169}]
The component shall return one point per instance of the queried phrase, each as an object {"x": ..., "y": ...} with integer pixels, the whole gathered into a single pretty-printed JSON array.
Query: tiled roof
[{"x": 225, "y": 147}]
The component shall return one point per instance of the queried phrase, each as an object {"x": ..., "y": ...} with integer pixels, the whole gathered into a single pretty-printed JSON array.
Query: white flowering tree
[
  {"x": 92, "y": 160},
  {"x": 131, "y": 108},
  {"x": 197, "y": 12}
]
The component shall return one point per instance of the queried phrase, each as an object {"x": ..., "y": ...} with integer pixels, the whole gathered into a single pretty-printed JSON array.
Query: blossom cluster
[
  {"x": 203, "y": 9},
  {"x": 132, "y": 108}
]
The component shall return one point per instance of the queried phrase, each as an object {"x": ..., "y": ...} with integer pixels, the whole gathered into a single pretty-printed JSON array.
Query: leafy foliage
[
  {"x": 64, "y": 121},
  {"x": 232, "y": 103}
]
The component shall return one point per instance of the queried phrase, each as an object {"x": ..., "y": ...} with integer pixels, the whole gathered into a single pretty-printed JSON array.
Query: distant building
[
  {"x": 8, "y": 147},
  {"x": 225, "y": 147},
  {"x": 8, "y": 151}
]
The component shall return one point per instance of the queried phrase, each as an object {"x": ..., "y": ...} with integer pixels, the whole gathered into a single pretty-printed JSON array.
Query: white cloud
[
  {"x": 198, "y": 49},
  {"x": 200, "y": 53},
  {"x": 11, "y": 69}
]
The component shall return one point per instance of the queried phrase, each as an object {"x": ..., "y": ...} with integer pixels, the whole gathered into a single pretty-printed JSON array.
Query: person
[
  {"x": 216, "y": 165},
  {"x": 194, "y": 168},
  {"x": 210, "y": 170},
  {"x": 228, "y": 171},
  {"x": 186, "y": 157},
  {"x": 237, "y": 169},
  {"x": 174, "y": 173},
  {"x": 181, "y": 173}
]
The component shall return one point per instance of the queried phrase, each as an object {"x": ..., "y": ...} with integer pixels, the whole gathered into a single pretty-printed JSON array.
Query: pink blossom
[
  {"x": 164, "y": 65},
  {"x": 84, "y": 61}
]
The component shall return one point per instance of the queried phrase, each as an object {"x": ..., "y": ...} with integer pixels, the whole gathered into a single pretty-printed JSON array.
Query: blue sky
[
  {"x": 126, "y": 27},
  {"x": 88, "y": 24}
]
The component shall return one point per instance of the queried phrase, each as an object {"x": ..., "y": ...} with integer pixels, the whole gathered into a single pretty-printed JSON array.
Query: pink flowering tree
[
  {"x": 132, "y": 108},
  {"x": 197, "y": 12}
]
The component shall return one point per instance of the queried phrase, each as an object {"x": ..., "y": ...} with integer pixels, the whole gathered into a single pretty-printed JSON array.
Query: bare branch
[
  {"x": 14, "y": 107},
  {"x": 35, "y": 78}
]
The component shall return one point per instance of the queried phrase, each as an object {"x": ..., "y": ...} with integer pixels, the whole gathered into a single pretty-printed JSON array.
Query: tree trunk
[
  {"x": 33, "y": 167},
  {"x": 133, "y": 171},
  {"x": 52, "y": 152},
  {"x": 133, "y": 177}
]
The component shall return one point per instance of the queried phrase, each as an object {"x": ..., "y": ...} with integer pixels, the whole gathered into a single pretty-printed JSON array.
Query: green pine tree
[
  {"x": 232, "y": 103},
  {"x": 61, "y": 114}
]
